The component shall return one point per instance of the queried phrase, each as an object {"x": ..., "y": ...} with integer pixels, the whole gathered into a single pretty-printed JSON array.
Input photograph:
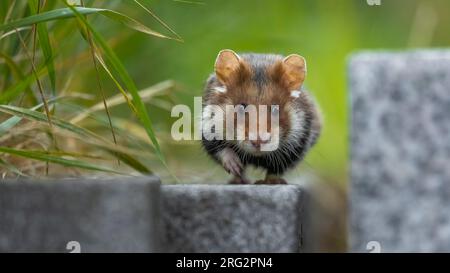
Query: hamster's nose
[{"x": 257, "y": 143}]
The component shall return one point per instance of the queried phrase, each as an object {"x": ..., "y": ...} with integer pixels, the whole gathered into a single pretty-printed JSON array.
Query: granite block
[
  {"x": 102, "y": 215},
  {"x": 237, "y": 219},
  {"x": 400, "y": 151}
]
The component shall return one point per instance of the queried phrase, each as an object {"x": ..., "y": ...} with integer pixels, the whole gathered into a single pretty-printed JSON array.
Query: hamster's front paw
[
  {"x": 237, "y": 180},
  {"x": 231, "y": 162}
]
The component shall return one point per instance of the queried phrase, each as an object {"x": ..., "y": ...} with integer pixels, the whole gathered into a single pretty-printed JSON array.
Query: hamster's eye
[
  {"x": 242, "y": 107},
  {"x": 275, "y": 109}
]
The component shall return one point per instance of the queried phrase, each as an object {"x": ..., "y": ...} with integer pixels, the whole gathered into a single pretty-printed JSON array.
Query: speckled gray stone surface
[
  {"x": 400, "y": 151},
  {"x": 107, "y": 215},
  {"x": 233, "y": 218}
]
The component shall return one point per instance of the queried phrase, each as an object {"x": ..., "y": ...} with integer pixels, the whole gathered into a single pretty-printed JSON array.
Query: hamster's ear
[
  {"x": 294, "y": 71},
  {"x": 227, "y": 66}
]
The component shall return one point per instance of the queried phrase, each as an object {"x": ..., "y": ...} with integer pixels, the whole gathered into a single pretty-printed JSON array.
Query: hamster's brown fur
[{"x": 263, "y": 79}]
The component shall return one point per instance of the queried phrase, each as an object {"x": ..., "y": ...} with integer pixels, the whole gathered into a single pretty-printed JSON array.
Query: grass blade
[
  {"x": 44, "y": 42},
  {"x": 119, "y": 99},
  {"x": 71, "y": 12},
  {"x": 133, "y": 24},
  {"x": 132, "y": 162},
  {"x": 6, "y": 125},
  {"x": 14, "y": 90},
  {"x": 10, "y": 167},
  {"x": 158, "y": 19},
  {"x": 99, "y": 82},
  {"x": 38, "y": 116},
  {"x": 15, "y": 70},
  {"x": 11, "y": 32},
  {"x": 47, "y": 157},
  {"x": 38, "y": 81},
  {"x": 124, "y": 95},
  {"x": 18, "y": 74}
]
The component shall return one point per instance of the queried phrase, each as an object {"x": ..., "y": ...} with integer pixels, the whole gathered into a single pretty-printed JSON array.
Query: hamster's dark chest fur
[{"x": 276, "y": 162}]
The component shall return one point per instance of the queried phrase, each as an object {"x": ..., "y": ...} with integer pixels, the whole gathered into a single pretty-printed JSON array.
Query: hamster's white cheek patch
[
  {"x": 220, "y": 89},
  {"x": 295, "y": 94}
]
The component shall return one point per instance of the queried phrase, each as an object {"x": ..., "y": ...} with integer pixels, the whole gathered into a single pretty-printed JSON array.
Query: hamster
[{"x": 263, "y": 80}]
